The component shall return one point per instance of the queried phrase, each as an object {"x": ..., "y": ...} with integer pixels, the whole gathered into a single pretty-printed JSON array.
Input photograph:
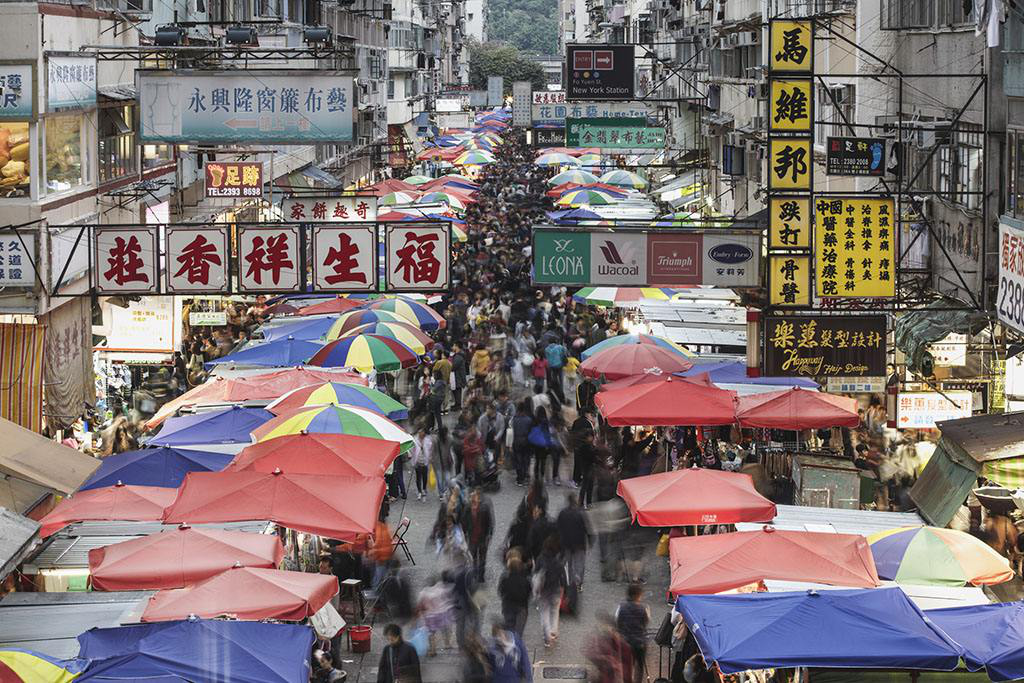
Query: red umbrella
[
  {"x": 179, "y": 557},
  {"x": 118, "y": 503},
  {"x": 670, "y": 402},
  {"x": 281, "y": 308},
  {"x": 721, "y": 562},
  {"x": 388, "y": 186},
  {"x": 246, "y": 593},
  {"x": 344, "y": 455},
  {"x": 336, "y": 305},
  {"x": 693, "y": 496},
  {"x": 625, "y": 360},
  {"x": 336, "y": 507},
  {"x": 703, "y": 379},
  {"x": 796, "y": 408}
]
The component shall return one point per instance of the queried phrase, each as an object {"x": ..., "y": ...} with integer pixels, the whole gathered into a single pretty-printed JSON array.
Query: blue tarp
[
  {"x": 275, "y": 354},
  {"x": 303, "y": 329},
  {"x": 992, "y": 636},
  {"x": 198, "y": 650},
  {"x": 229, "y": 425},
  {"x": 865, "y": 629},
  {"x": 735, "y": 372},
  {"x": 165, "y": 467}
]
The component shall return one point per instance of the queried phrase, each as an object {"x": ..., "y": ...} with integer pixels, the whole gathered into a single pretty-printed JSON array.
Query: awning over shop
[
  {"x": 992, "y": 635},
  {"x": 943, "y": 485},
  {"x": 35, "y": 460},
  {"x": 317, "y": 174},
  {"x": 118, "y": 92},
  {"x": 915, "y": 330},
  {"x": 17, "y": 537}
]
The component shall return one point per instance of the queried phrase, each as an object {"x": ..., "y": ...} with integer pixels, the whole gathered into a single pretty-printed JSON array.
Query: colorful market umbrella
[
  {"x": 459, "y": 234},
  {"x": 390, "y": 185},
  {"x": 272, "y": 354},
  {"x": 449, "y": 198},
  {"x": 557, "y": 159},
  {"x": 341, "y": 455},
  {"x": 178, "y": 557},
  {"x": 407, "y": 333},
  {"x": 338, "y": 393},
  {"x": 366, "y": 352},
  {"x": 353, "y": 319},
  {"x": 622, "y": 296},
  {"x": 225, "y": 426},
  {"x": 795, "y": 408},
  {"x": 591, "y": 159},
  {"x": 334, "y": 419},
  {"x": 418, "y": 179},
  {"x": 585, "y": 198},
  {"x": 164, "y": 467},
  {"x": 413, "y": 311},
  {"x": 623, "y": 178},
  {"x": 392, "y": 198},
  {"x": 280, "y": 309},
  {"x": 474, "y": 157},
  {"x": 636, "y": 339},
  {"x": 934, "y": 556},
  {"x": 247, "y": 593},
  {"x": 691, "y": 497},
  {"x": 118, "y": 503},
  {"x": 624, "y": 360},
  {"x": 573, "y": 175},
  {"x": 302, "y": 328},
  {"x": 26, "y": 666},
  {"x": 672, "y": 401},
  {"x": 335, "y": 507}
]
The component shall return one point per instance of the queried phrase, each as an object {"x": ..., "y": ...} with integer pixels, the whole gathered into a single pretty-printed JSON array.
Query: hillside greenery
[{"x": 530, "y": 25}]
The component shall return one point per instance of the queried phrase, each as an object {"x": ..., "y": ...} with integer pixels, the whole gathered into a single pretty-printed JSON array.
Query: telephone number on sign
[
  {"x": 235, "y": 192},
  {"x": 1011, "y": 302}
]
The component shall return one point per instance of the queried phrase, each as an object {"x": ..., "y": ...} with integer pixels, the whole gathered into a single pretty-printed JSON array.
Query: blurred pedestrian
[
  {"x": 508, "y": 658},
  {"x": 632, "y": 618},
  {"x": 514, "y": 591},
  {"x": 478, "y": 525},
  {"x": 549, "y": 581},
  {"x": 575, "y": 536},
  {"x": 399, "y": 662}
]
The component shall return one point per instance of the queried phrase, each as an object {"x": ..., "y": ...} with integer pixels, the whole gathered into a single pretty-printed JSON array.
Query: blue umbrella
[
  {"x": 225, "y": 426},
  {"x": 577, "y": 214},
  {"x": 165, "y": 467},
  {"x": 303, "y": 330},
  {"x": 735, "y": 372},
  {"x": 275, "y": 354},
  {"x": 198, "y": 650}
]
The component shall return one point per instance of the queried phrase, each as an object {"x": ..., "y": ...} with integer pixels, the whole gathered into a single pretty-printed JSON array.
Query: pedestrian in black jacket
[
  {"x": 399, "y": 662},
  {"x": 541, "y": 529},
  {"x": 514, "y": 589},
  {"x": 478, "y": 525},
  {"x": 575, "y": 536}
]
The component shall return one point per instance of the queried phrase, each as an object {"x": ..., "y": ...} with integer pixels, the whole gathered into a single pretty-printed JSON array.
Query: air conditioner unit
[
  {"x": 763, "y": 91},
  {"x": 758, "y": 122},
  {"x": 748, "y": 37},
  {"x": 734, "y": 39},
  {"x": 735, "y": 139}
]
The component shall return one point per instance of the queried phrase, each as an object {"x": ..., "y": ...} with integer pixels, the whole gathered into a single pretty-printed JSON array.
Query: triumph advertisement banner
[{"x": 608, "y": 257}]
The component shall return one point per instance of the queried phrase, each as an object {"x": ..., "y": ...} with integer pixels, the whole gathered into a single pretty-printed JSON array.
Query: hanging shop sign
[
  {"x": 125, "y": 260},
  {"x": 495, "y": 91},
  {"x": 417, "y": 257},
  {"x": 17, "y": 91},
  {"x": 522, "y": 104},
  {"x": 1010, "y": 299},
  {"x": 556, "y": 114},
  {"x": 208, "y": 318},
  {"x": 269, "y": 259},
  {"x": 603, "y": 257},
  {"x": 330, "y": 209},
  {"x": 549, "y": 97},
  {"x": 344, "y": 258},
  {"x": 548, "y": 137},
  {"x": 197, "y": 259},
  {"x": 789, "y": 224},
  {"x": 448, "y": 105},
  {"x": 791, "y": 46},
  {"x": 790, "y": 162},
  {"x": 600, "y": 72},
  {"x": 824, "y": 346},
  {"x": 70, "y": 82},
  {"x": 16, "y": 259},
  {"x": 234, "y": 179},
  {"x": 921, "y": 410},
  {"x": 239, "y": 107},
  {"x": 950, "y": 351},
  {"x": 855, "y": 156},
  {"x": 613, "y": 133},
  {"x": 792, "y": 106},
  {"x": 789, "y": 280},
  {"x": 145, "y": 326},
  {"x": 856, "y": 247}
]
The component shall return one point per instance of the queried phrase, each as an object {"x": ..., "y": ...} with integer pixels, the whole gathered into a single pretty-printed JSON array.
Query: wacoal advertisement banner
[{"x": 606, "y": 257}]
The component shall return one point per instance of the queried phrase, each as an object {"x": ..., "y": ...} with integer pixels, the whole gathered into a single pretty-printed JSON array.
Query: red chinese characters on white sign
[
  {"x": 197, "y": 259},
  {"x": 330, "y": 209},
  {"x": 268, "y": 259},
  {"x": 125, "y": 260},
  {"x": 344, "y": 258},
  {"x": 418, "y": 257}
]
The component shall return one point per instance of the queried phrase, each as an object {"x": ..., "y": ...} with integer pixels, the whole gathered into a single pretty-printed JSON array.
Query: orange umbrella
[
  {"x": 692, "y": 497},
  {"x": 625, "y": 360},
  {"x": 795, "y": 408},
  {"x": 672, "y": 401},
  {"x": 344, "y": 455},
  {"x": 119, "y": 503}
]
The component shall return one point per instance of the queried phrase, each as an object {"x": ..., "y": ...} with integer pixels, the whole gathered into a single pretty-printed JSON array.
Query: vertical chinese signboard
[
  {"x": 1010, "y": 301},
  {"x": 125, "y": 260},
  {"x": 197, "y": 260},
  {"x": 344, "y": 258},
  {"x": 17, "y": 254},
  {"x": 269, "y": 259},
  {"x": 855, "y": 244},
  {"x": 417, "y": 257},
  {"x": 330, "y": 209},
  {"x": 234, "y": 179}
]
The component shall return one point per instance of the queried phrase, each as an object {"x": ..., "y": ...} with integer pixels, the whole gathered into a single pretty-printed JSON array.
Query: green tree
[
  {"x": 494, "y": 59},
  {"x": 530, "y": 25}
]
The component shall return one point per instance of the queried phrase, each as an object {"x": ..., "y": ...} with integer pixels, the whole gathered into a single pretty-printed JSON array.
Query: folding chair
[{"x": 398, "y": 540}]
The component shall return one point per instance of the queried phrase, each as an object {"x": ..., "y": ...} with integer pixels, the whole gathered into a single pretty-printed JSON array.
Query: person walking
[
  {"x": 399, "y": 662},
  {"x": 508, "y": 658},
  {"x": 514, "y": 590},
  {"x": 459, "y": 371},
  {"x": 575, "y": 535},
  {"x": 541, "y": 440},
  {"x": 522, "y": 423},
  {"x": 539, "y": 370},
  {"x": 549, "y": 583},
  {"x": 556, "y": 355},
  {"x": 442, "y": 461},
  {"x": 632, "y": 618},
  {"x": 478, "y": 525},
  {"x": 472, "y": 451},
  {"x": 420, "y": 455}
]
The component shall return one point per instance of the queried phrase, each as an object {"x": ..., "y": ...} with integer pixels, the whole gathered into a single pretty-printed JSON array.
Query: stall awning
[
  {"x": 321, "y": 176},
  {"x": 34, "y": 459},
  {"x": 118, "y": 92},
  {"x": 944, "y": 484},
  {"x": 17, "y": 536},
  {"x": 992, "y": 635}
]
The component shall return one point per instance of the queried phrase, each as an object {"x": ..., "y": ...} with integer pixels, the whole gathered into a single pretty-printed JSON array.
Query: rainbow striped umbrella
[
  {"x": 417, "y": 179},
  {"x": 366, "y": 352},
  {"x": 340, "y": 393},
  {"x": 444, "y": 197},
  {"x": 590, "y": 159},
  {"x": 413, "y": 311},
  {"x": 585, "y": 197},
  {"x": 622, "y": 296},
  {"x": 637, "y": 339},
  {"x": 931, "y": 556},
  {"x": 556, "y": 159},
  {"x": 360, "y": 316},
  {"x": 392, "y": 198},
  {"x": 623, "y": 178},
  {"x": 459, "y": 234},
  {"x": 573, "y": 175},
  {"x": 334, "y": 419},
  {"x": 474, "y": 157},
  {"x": 407, "y": 333}
]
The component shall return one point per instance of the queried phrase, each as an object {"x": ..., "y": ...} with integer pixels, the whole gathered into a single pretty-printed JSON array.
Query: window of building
[
  {"x": 734, "y": 160},
  {"x": 156, "y": 155},
  {"x": 835, "y": 108},
  {"x": 954, "y": 13},
  {"x": 904, "y": 14},
  {"x": 960, "y": 167},
  {"x": 14, "y": 153},
  {"x": 116, "y": 143},
  {"x": 391, "y": 88},
  {"x": 65, "y": 166},
  {"x": 1015, "y": 195}
]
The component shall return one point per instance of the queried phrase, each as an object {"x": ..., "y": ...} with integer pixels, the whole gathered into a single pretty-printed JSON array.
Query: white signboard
[
  {"x": 618, "y": 259},
  {"x": 549, "y": 97},
  {"x": 477, "y": 98},
  {"x": 330, "y": 209},
  {"x": 446, "y": 104},
  {"x": 344, "y": 258},
  {"x": 215, "y": 318},
  {"x": 417, "y": 257},
  {"x": 950, "y": 351},
  {"x": 495, "y": 91},
  {"x": 197, "y": 260},
  {"x": 522, "y": 112},
  {"x": 16, "y": 259},
  {"x": 269, "y": 259},
  {"x": 70, "y": 82},
  {"x": 459, "y": 119},
  {"x": 144, "y": 326},
  {"x": 555, "y": 114},
  {"x": 856, "y": 385},
  {"x": 1010, "y": 301},
  {"x": 921, "y": 410},
  {"x": 125, "y": 260}
]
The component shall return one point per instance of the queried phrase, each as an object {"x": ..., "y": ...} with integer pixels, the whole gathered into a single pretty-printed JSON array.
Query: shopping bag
[
  {"x": 419, "y": 638},
  {"x": 662, "y": 546},
  {"x": 432, "y": 479}
]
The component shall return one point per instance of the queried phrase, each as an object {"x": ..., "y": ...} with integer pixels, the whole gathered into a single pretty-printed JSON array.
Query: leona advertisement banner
[{"x": 671, "y": 258}]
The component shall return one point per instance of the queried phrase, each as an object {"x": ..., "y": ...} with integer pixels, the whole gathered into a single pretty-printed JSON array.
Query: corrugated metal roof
[
  {"x": 835, "y": 520},
  {"x": 944, "y": 484},
  {"x": 987, "y": 437},
  {"x": 17, "y": 534}
]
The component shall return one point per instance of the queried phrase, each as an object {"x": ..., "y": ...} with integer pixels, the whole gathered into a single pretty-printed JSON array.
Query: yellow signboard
[
  {"x": 792, "y": 106},
  {"x": 789, "y": 280},
  {"x": 791, "y": 47},
  {"x": 855, "y": 242},
  {"x": 790, "y": 161},
  {"x": 789, "y": 222}
]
